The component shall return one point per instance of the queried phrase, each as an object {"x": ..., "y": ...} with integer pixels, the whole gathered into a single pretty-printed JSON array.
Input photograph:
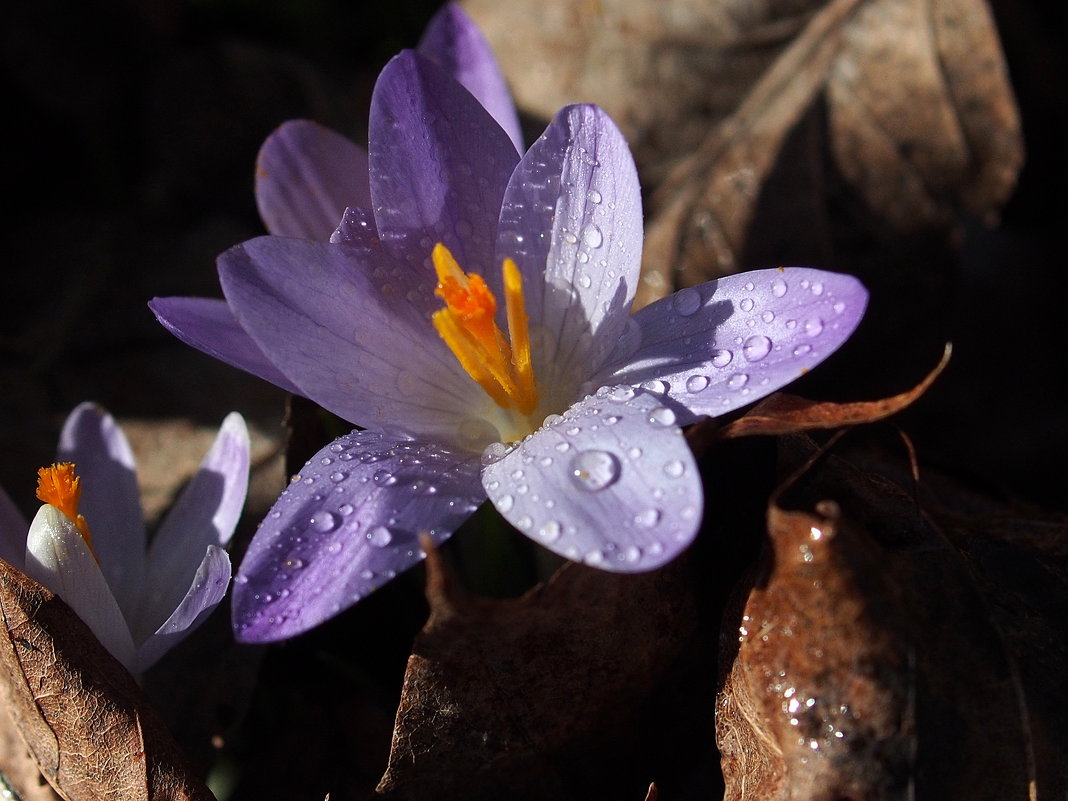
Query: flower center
[
  {"x": 60, "y": 487},
  {"x": 500, "y": 365}
]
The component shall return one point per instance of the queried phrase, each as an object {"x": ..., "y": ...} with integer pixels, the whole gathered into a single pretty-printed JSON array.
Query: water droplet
[
  {"x": 746, "y": 304},
  {"x": 505, "y": 503},
  {"x": 524, "y": 522},
  {"x": 749, "y": 286},
  {"x": 610, "y": 420},
  {"x": 585, "y": 281},
  {"x": 674, "y": 469},
  {"x": 778, "y": 287},
  {"x": 801, "y": 350},
  {"x": 657, "y": 386},
  {"x": 379, "y": 536},
  {"x": 696, "y": 383},
  {"x": 324, "y": 521},
  {"x": 384, "y": 478},
  {"x": 550, "y": 532},
  {"x": 634, "y": 453},
  {"x": 647, "y": 518},
  {"x": 493, "y": 453},
  {"x": 737, "y": 381},
  {"x": 768, "y": 316},
  {"x": 517, "y": 473},
  {"x": 621, "y": 393},
  {"x": 570, "y": 238},
  {"x": 594, "y": 557},
  {"x": 346, "y": 509},
  {"x": 594, "y": 470},
  {"x": 686, "y": 301},
  {"x": 813, "y": 326},
  {"x": 816, "y": 288},
  {"x": 756, "y": 348},
  {"x": 592, "y": 236},
  {"x": 839, "y": 307},
  {"x": 337, "y": 476},
  {"x": 563, "y": 447},
  {"x": 594, "y": 196},
  {"x": 294, "y": 563},
  {"x": 721, "y": 358},
  {"x": 661, "y": 416}
]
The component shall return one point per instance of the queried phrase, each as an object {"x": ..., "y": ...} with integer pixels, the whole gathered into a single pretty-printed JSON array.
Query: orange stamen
[{"x": 60, "y": 487}]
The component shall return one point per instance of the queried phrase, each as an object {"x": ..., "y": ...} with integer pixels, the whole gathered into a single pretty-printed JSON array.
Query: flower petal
[
  {"x": 578, "y": 181},
  {"x": 204, "y": 515},
  {"x": 306, "y": 176},
  {"x": 12, "y": 532},
  {"x": 439, "y": 164},
  {"x": 611, "y": 483},
  {"x": 57, "y": 557},
  {"x": 111, "y": 499},
  {"x": 724, "y": 344},
  {"x": 345, "y": 526},
  {"x": 352, "y": 345},
  {"x": 204, "y": 593},
  {"x": 454, "y": 42},
  {"x": 208, "y": 325}
]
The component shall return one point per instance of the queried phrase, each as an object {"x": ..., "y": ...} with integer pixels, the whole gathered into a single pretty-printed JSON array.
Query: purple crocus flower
[
  {"x": 530, "y": 384},
  {"x": 139, "y": 599}
]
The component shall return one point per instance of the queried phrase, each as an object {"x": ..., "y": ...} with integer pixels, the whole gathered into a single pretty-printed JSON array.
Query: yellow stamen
[
  {"x": 467, "y": 325},
  {"x": 60, "y": 487}
]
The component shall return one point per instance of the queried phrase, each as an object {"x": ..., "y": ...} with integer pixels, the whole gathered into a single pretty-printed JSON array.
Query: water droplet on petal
[
  {"x": 661, "y": 416},
  {"x": 592, "y": 236},
  {"x": 505, "y": 503},
  {"x": 594, "y": 557},
  {"x": 801, "y": 350},
  {"x": 324, "y": 521},
  {"x": 686, "y": 301},
  {"x": 656, "y": 385},
  {"x": 570, "y": 238},
  {"x": 621, "y": 393},
  {"x": 746, "y": 304},
  {"x": 634, "y": 453},
  {"x": 768, "y": 316},
  {"x": 737, "y": 381},
  {"x": 550, "y": 532},
  {"x": 346, "y": 509},
  {"x": 493, "y": 453},
  {"x": 816, "y": 288},
  {"x": 594, "y": 196},
  {"x": 594, "y": 470},
  {"x": 379, "y": 536},
  {"x": 384, "y": 478},
  {"x": 647, "y": 518},
  {"x": 675, "y": 468},
  {"x": 585, "y": 281},
  {"x": 696, "y": 383},
  {"x": 756, "y": 348},
  {"x": 778, "y": 287},
  {"x": 524, "y": 522},
  {"x": 563, "y": 447},
  {"x": 813, "y": 326},
  {"x": 721, "y": 358}
]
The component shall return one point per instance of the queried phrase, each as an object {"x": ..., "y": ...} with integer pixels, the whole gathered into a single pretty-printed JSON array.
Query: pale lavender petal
[
  {"x": 208, "y": 586},
  {"x": 208, "y": 325},
  {"x": 306, "y": 176},
  {"x": 578, "y": 184},
  {"x": 439, "y": 164},
  {"x": 454, "y": 42},
  {"x": 111, "y": 499},
  {"x": 345, "y": 340},
  {"x": 58, "y": 558},
  {"x": 611, "y": 483},
  {"x": 726, "y": 343},
  {"x": 345, "y": 526},
  {"x": 12, "y": 532},
  {"x": 204, "y": 515}
]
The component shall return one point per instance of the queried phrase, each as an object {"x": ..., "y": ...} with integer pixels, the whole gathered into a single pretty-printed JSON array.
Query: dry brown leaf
[
  {"x": 82, "y": 716},
  {"x": 883, "y": 654},
  {"x": 519, "y": 698}
]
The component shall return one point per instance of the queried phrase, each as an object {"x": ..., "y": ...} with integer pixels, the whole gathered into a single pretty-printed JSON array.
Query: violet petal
[
  {"x": 724, "y": 344},
  {"x": 204, "y": 515},
  {"x": 111, "y": 499},
  {"x": 311, "y": 307},
  {"x": 578, "y": 181},
  {"x": 439, "y": 164},
  {"x": 306, "y": 176},
  {"x": 208, "y": 325},
  {"x": 611, "y": 483},
  {"x": 454, "y": 42},
  {"x": 206, "y": 589},
  {"x": 345, "y": 526}
]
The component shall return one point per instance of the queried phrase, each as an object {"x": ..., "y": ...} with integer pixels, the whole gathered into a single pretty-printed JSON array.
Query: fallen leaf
[{"x": 82, "y": 716}]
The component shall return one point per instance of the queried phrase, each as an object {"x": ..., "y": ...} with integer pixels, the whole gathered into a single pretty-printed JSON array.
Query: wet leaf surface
[{"x": 85, "y": 722}]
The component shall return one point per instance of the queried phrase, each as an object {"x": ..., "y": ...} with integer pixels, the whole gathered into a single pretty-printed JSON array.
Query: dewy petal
[
  {"x": 345, "y": 339},
  {"x": 111, "y": 499},
  {"x": 208, "y": 325},
  {"x": 454, "y": 42},
  {"x": 12, "y": 532},
  {"x": 306, "y": 176},
  {"x": 346, "y": 525},
  {"x": 724, "y": 344},
  {"x": 572, "y": 221},
  {"x": 57, "y": 556},
  {"x": 204, "y": 515},
  {"x": 611, "y": 483},
  {"x": 439, "y": 164},
  {"x": 208, "y": 586}
]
